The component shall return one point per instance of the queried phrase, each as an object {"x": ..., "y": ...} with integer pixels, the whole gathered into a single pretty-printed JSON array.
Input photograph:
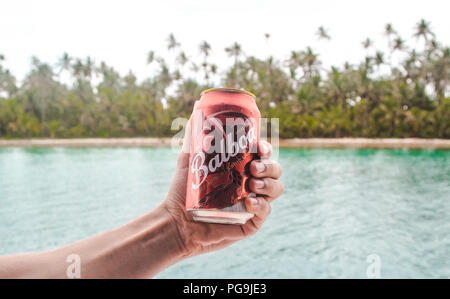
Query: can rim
[{"x": 235, "y": 90}]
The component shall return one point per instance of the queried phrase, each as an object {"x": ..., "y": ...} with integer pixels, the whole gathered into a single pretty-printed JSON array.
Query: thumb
[{"x": 260, "y": 207}]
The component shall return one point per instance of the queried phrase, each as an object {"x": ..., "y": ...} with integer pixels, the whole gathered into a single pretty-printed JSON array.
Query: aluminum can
[{"x": 225, "y": 127}]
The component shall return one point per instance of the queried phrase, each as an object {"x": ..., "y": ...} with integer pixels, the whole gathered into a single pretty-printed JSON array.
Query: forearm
[{"x": 141, "y": 248}]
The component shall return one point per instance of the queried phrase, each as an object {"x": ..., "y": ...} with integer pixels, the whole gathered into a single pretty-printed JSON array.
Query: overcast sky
[{"x": 122, "y": 32}]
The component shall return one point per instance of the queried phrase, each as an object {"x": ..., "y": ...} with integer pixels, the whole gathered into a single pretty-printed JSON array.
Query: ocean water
[{"x": 343, "y": 211}]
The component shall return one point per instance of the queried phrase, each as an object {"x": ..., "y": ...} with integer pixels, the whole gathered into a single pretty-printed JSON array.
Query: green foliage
[{"x": 406, "y": 99}]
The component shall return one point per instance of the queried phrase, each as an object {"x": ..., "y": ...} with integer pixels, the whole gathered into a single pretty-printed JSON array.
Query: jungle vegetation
[{"x": 401, "y": 92}]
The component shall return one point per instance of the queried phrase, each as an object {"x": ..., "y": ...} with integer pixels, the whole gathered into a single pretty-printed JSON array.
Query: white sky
[{"x": 122, "y": 32}]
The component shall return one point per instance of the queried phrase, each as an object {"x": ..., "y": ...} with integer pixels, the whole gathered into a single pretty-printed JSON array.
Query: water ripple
[{"x": 339, "y": 207}]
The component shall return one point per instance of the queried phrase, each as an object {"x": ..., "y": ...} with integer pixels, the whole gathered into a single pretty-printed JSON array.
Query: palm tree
[
  {"x": 399, "y": 44},
  {"x": 7, "y": 80},
  {"x": 89, "y": 68},
  {"x": 172, "y": 43},
  {"x": 367, "y": 43},
  {"x": 177, "y": 75},
  {"x": 77, "y": 68},
  {"x": 267, "y": 39},
  {"x": 440, "y": 73},
  {"x": 410, "y": 65},
  {"x": 194, "y": 67},
  {"x": 64, "y": 62},
  {"x": 322, "y": 33},
  {"x": 110, "y": 78},
  {"x": 423, "y": 30},
  {"x": 434, "y": 45},
  {"x": 379, "y": 59},
  {"x": 164, "y": 77},
  {"x": 213, "y": 68},
  {"x": 234, "y": 51},
  {"x": 130, "y": 80},
  {"x": 389, "y": 31},
  {"x": 293, "y": 63},
  {"x": 368, "y": 63},
  {"x": 205, "y": 49},
  {"x": 150, "y": 57},
  {"x": 182, "y": 59},
  {"x": 312, "y": 61},
  {"x": 347, "y": 66},
  {"x": 41, "y": 88},
  {"x": 307, "y": 60}
]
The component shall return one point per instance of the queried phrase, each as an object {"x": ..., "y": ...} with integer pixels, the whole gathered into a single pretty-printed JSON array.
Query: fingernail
[
  {"x": 264, "y": 148},
  {"x": 254, "y": 202},
  {"x": 260, "y": 167},
  {"x": 259, "y": 184}
]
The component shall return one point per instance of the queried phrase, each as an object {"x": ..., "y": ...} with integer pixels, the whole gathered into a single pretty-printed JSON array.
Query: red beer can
[{"x": 225, "y": 127}]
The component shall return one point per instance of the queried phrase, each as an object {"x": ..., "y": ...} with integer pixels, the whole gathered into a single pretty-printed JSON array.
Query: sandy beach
[
  {"x": 394, "y": 143},
  {"x": 390, "y": 143}
]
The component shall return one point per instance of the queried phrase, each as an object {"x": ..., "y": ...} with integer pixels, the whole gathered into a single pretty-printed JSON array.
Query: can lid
[{"x": 228, "y": 90}]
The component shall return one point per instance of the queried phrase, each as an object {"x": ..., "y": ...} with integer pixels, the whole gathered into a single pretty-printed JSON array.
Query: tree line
[{"x": 399, "y": 92}]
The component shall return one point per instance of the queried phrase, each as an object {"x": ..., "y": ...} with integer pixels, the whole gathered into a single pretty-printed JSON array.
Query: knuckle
[
  {"x": 253, "y": 229},
  {"x": 269, "y": 184},
  {"x": 269, "y": 167},
  {"x": 273, "y": 168},
  {"x": 265, "y": 207}
]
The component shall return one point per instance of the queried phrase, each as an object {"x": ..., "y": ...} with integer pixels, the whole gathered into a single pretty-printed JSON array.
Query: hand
[{"x": 199, "y": 237}]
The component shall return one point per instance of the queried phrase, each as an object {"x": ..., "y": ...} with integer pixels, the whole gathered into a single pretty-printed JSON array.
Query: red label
[{"x": 222, "y": 146}]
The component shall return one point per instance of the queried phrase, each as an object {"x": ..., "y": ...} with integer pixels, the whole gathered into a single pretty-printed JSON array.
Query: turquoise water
[{"x": 340, "y": 206}]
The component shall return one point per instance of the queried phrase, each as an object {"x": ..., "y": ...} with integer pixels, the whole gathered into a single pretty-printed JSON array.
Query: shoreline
[{"x": 367, "y": 143}]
